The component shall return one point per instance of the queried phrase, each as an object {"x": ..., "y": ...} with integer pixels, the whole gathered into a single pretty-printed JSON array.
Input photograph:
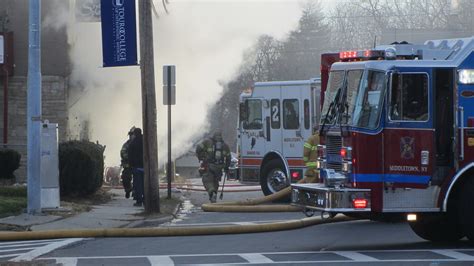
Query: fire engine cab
[
  {"x": 275, "y": 120},
  {"x": 397, "y": 136}
]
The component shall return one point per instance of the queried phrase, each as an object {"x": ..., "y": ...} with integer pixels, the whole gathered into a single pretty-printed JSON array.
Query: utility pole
[
  {"x": 150, "y": 146},
  {"x": 34, "y": 107}
]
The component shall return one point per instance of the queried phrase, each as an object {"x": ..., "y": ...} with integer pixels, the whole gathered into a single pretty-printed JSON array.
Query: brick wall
[{"x": 54, "y": 108}]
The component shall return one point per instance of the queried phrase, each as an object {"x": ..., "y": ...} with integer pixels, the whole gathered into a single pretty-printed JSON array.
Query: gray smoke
[{"x": 204, "y": 39}]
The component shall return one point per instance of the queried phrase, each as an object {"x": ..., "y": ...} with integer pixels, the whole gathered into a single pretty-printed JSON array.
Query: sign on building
[
  {"x": 119, "y": 33},
  {"x": 87, "y": 10},
  {"x": 2, "y": 49}
]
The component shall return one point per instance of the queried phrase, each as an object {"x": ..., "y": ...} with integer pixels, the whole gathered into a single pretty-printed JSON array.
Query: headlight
[{"x": 347, "y": 166}]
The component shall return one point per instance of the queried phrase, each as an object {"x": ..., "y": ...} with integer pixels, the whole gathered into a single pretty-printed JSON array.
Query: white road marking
[
  {"x": 160, "y": 260},
  {"x": 259, "y": 258},
  {"x": 31, "y": 242},
  {"x": 44, "y": 249},
  {"x": 66, "y": 261},
  {"x": 16, "y": 249},
  {"x": 256, "y": 258},
  {"x": 454, "y": 254},
  {"x": 10, "y": 255},
  {"x": 355, "y": 256},
  {"x": 26, "y": 245}
]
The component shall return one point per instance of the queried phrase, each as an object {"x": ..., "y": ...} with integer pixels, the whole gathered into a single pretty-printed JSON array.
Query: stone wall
[{"x": 54, "y": 108}]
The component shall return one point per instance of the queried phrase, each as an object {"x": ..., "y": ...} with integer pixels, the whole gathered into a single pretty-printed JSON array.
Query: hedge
[
  {"x": 81, "y": 167},
  {"x": 9, "y": 162}
]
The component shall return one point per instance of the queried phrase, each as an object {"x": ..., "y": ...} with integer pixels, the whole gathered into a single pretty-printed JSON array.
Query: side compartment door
[
  {"x": 408, "y": 141},
  {"x": 252, "y": 137}
]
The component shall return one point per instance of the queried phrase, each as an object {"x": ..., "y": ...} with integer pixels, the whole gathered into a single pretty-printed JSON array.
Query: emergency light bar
[{"x": 361, "y": 55}]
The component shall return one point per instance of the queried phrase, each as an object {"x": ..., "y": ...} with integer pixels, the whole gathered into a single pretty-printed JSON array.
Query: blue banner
[{"x": 119, "y": 33}]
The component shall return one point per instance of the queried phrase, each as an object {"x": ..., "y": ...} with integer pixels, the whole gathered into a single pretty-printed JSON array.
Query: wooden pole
[{"x": 150, "y": 145}]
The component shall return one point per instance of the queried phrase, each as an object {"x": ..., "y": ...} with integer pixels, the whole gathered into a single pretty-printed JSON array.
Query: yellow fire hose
[
  {"x": 248, "y": 205},
  {"x": 169, "y": 231},
  {"x": 252, "y": 205}
]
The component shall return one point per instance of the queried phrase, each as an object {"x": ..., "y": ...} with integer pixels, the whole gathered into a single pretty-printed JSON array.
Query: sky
[{"x": 204, "y": 39}]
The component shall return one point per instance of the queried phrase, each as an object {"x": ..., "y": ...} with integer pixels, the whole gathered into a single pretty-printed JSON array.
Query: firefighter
[
  {"x": 135, "y": 157},
  {"x": 125, "y": 164},
  {"x": 214, "y": 156},
  {"x": 310, "y": 156}
]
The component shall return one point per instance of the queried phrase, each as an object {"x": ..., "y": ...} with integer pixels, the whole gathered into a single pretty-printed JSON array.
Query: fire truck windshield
[
  {"x": 355, "y": 102},
  {"x": 367, "y": 104},
  {"x": 328, "y": 112}
]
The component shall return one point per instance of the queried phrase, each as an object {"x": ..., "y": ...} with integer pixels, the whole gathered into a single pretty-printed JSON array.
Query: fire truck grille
[{"x": 333, "y": 150}]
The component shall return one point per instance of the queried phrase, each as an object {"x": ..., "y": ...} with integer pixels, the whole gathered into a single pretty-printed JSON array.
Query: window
[
  {"x": 276, "y": 113},
  {"x": 409, "y": 97},
  {"x": 328, "y": 113},
  {"x": 369, "y": 100},
  {"x": 253, "y": 117},
  {"x": 306, "y": 113},
  {"x": 290, "y": 114}
]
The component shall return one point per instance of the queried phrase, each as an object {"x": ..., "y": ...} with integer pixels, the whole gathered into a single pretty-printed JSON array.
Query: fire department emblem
[{"x": 407, "y": 148}]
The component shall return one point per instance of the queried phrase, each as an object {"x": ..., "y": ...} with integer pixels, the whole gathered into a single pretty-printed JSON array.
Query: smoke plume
[{"x": 204, "y": 39}]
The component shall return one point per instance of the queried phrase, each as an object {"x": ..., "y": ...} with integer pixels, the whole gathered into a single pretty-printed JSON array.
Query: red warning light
[
  {"x": 295, "y": 175},
  {"x": 359, "y": 203},
  {"x": 343, "y": 152}
]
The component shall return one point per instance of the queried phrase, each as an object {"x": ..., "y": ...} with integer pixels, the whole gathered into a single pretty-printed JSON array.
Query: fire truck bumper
[{"x": 328, "y": 199}]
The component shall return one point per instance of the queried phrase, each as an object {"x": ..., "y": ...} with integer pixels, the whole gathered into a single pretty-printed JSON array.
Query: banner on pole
[{"x": 119, "y": 33}]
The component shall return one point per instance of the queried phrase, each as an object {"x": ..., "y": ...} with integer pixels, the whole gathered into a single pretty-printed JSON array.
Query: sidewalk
[{"x": 117, "y": 213}]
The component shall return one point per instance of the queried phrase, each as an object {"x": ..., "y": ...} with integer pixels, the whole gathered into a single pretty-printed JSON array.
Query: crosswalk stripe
[
  {"x": 66, "y": 261},
  {"x": 160, "y": 260},
  {"x": 256, "y": 258},
  {"x": 26, "y": 245},
  {"x": 15, "y": 249},
  {"x": 27, "y": 242},
  {"x": 10, "y": 255},
  {"x": 44, "y": 249},
  {"x": 356, "y": 256},
  {"x": 454, "y": 254}
]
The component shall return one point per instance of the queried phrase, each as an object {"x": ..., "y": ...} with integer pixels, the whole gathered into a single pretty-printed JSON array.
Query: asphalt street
[{"x": 356, "y": 242}]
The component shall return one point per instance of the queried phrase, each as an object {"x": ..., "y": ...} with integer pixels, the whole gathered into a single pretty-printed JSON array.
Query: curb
[{"x": 155, "y": 222}]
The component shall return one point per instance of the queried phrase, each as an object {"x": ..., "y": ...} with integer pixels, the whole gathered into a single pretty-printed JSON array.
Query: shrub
[
  {"x": 81, "y": 167},
  {"x": 9, "y": 162}
]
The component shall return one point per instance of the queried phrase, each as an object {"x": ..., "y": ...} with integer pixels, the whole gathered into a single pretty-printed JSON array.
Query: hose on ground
[
  {"x": 250, "y": 205},
  {"x": 170, "y": 231},
  {"x": 253, "y": 205}
]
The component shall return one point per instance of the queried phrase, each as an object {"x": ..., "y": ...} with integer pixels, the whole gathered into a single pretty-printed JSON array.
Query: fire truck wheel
[
  {"x": 273, "y": 177},
  {"x": 466, "y": 215},
  {"x": 436, "y": 227}
]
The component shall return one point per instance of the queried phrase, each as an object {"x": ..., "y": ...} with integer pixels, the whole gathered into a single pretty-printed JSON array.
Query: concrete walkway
[{"x": 119, "y": 212}]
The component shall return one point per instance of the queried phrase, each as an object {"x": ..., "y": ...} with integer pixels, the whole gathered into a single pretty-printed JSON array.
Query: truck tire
[
  {"x": 466, "y": 213},
  {"x": 436, "y": 227},
  {"x": 273, "y": 177}
]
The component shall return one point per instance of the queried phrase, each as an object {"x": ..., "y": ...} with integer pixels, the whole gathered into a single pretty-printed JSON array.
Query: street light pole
[
  {"x": 149, "y": 113},
  {"x": 34, "y": 107}
]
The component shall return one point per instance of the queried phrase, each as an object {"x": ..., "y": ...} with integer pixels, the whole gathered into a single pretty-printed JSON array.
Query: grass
[{"x": 12, "y": 200}]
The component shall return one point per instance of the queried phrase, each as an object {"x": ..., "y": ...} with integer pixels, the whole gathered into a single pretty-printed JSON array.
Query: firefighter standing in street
[
  {"x": 214, "y": 156},
  {"x": 310, "y": 156},
  {"x": 125, "y": 164}
]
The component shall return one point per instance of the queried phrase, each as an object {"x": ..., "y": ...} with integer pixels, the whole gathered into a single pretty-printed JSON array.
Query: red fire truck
[{"x": 397, "y": 136}]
